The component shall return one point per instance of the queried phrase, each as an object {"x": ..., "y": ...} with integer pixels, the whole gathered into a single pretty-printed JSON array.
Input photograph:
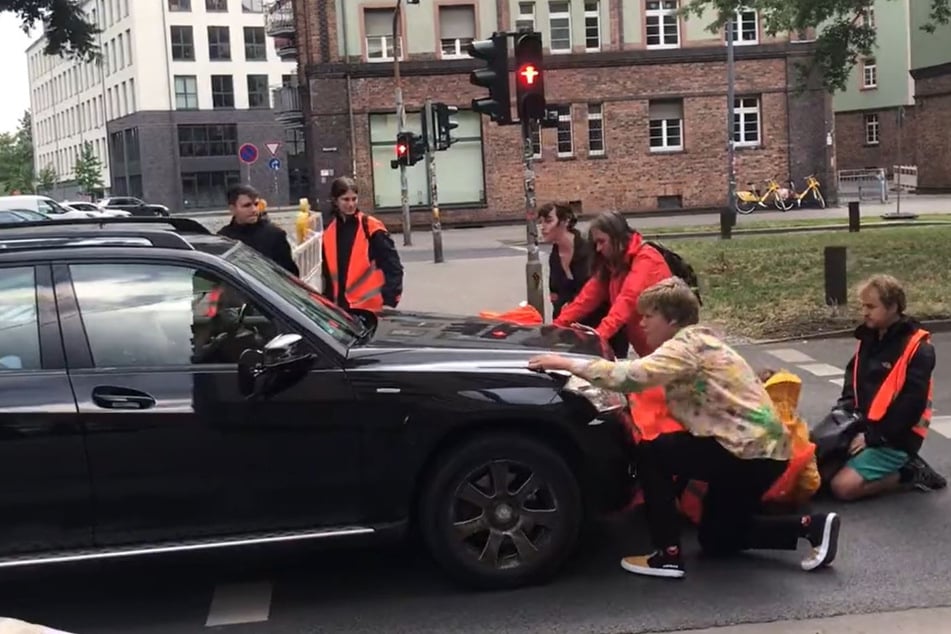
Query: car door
[
  {"x": 45, "y": 500},
  {"x": 175, "y": 451}
]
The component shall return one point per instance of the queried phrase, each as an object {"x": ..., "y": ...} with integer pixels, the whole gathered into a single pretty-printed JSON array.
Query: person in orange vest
[
  {"x": 361, "y": 267},
  {"x": 733, "y": 439},
  {"x": 888, "y": 381}
]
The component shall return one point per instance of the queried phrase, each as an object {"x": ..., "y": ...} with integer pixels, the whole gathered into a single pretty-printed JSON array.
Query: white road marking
[
  {"x": 840, "y": 381},
  {"x": 791, "y": 355},
  {"x": 240, "y": 603},
  {"x": 822, "y": 369},
  {"x": 941, "y": 425}
]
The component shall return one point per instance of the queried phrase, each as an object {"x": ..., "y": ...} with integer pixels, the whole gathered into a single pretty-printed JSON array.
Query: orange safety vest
[
  {"x": 893, "y": 383},
  {"x": 363, "y": 281}
]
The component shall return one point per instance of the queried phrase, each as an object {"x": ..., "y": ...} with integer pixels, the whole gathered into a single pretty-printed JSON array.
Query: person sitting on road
[
  {"x": 259, "y": 233},
  {"x": 888, "y": 382},
  {"x": 569, "y": 267},
  {"x": 623, "y": 267},
  {"x": 733, "y": 438}
]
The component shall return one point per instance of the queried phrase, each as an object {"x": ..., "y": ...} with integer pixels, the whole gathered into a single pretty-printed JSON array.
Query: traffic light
[
  {"x": 445, "y": 124},
  {"x": 495, "y": 76},
  {"x": 410, "y": 149},
  {"x": 529, "y": 76}
]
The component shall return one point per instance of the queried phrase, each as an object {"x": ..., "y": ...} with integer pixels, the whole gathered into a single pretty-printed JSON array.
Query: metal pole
[
  {"x": 533, "y": 265},
  {"x": 433, "y": 193},
  {"x": 401, "y": 122},
  {"x": 728, "y": 217},
  {"x": 898, "y": 176}
]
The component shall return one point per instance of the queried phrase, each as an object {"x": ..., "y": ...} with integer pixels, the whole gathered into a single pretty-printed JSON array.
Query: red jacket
[{"x": 646, "y": 267}]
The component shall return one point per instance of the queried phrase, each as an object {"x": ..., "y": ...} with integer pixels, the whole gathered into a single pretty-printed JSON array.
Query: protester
[
  {"x": 259, "y": 233},
  {"x": 734, "y": 439}
]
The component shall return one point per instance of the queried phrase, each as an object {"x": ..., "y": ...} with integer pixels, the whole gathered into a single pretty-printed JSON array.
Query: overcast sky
[{"x": 16, "y": 87}]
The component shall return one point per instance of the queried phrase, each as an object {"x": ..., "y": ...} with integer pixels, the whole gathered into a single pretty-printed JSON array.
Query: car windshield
[{"x": 327, "y": 316}]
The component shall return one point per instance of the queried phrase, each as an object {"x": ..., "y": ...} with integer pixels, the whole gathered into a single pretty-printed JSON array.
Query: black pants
[{"x": 730, "y": 521}]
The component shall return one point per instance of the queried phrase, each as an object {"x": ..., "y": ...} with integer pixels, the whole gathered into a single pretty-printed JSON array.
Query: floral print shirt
[{"x": 711, "y": 390}]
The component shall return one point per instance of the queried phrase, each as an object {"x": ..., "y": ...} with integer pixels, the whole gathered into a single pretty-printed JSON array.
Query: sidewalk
[{"x": 915, "y": 621}]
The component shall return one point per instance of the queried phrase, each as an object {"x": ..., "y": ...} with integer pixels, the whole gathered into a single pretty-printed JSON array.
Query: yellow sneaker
[{"x": 661, "y": 563}]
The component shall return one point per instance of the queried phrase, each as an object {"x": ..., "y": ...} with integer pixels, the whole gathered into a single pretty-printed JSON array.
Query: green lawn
[
  {"x": 749, "y": 222},
  {"x": 772, "y": 285}
]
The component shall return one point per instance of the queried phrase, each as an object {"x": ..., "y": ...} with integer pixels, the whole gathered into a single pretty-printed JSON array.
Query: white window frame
[
  {"x": 526, "y": 16},
  {"x": 537, "y": 142},
  {"x": 596, "y": 116},
  {"x": 661, "y": 14},
  {"x": 741, "y": 24},
  {"x": 387, "y": 44},
  {"x": 872, "y": 129},
  {"x": 592, "y": 19},
  {"x": 868, "y": 16},
  {"x": 564, "y": 117},
  {"x": 559, "y": 15},
  {"x": 742, "y": 111},
  {"x": 667, "y": 126},
  {"x": 869, "y": 73}
]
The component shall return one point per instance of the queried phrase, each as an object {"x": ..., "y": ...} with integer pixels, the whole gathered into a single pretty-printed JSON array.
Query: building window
[
  {"x": 207, "y": 140},
  {"x": 219, "y": 43},
  {"x": 869, "y": 74},
  {"x": 175, "y": 5},
  {"x": 746, "y": 122},
  {"x": 868, "y": 16},
  {"x": 460, "y": 168},
  {"x": 592, "y": 25},
  {"x": 536, "y": 135},
  {"x": 559, "y": 24},
  {"x": 746, "y": 27},
  {"x": 216, "y": 6},
  {"x": 666, "y": 125},
  {"x": 456, "y": 29},
  {"x": 662, "y": 24},
  {"x": 378, "y": 24},
  {"x": 186, "y": 92},
  {"x": 595, "y": 129},
  {"x": 258, "y": 94},
  {"x": 255, "y": 47},
  {"x": 252, "y": 6},
  {"x": 183, "y": 44},
  {"x": 525, "y": 20},
  {"x": 871, "y": 129},
  {"x": 222, "y": 91},
  {"x": 565, "y": 142}
]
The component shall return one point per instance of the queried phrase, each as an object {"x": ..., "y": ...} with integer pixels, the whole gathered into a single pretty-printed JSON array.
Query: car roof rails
[{"x": 187, "y": 225}]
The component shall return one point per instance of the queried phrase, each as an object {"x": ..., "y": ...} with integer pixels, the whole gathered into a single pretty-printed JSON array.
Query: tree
[
  {"x": 842, "y": 41},
  {"x": 46, "y": 179},
  {"x": 88, "y": 170},
  {"x": 68, "y": 31},
  {"x": 16, "y": 158}
]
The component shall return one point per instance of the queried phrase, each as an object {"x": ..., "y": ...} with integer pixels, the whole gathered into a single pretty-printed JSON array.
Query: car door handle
[{"x": 110, "y": 397}]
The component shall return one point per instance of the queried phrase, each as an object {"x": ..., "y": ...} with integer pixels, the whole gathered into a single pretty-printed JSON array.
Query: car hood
[{"x": 461, "y": 338}]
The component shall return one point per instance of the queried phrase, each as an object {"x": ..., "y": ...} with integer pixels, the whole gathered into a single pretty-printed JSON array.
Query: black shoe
[
  {"x": 823, "y": 536},
  {"x": 918, "y": 474},
  {"x": 662, "y": 563}
]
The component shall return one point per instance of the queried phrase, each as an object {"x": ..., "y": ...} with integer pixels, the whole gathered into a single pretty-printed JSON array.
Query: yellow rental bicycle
[
  {"x": 749, "y": 199},
  {"x": 812, "y": 187}
]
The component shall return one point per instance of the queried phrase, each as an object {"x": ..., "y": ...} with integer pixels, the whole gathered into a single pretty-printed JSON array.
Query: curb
[
  {"x": 934, "y": 326},
  {"x": 785, "y": 230}
]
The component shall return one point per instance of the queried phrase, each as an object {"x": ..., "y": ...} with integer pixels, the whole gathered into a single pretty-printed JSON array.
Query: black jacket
[
  {"x": 876, "y": 359},
  {"x": 382, "y": 251},
  {"x": 266, "y": 238}
]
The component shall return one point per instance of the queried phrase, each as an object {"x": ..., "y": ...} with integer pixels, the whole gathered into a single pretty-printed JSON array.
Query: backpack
[{"x": 679, "y": 267}]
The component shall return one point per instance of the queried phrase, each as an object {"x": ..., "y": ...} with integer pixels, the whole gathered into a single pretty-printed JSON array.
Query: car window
[
  {"x": 138, "y": 315},
  {"x": 9, "y": 216},
  {"x": 19, "y": 326},
  {"x": 49, "y": 207}
]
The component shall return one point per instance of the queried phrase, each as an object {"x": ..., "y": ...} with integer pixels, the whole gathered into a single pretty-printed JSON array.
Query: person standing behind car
[
  {"x": 259, "y": 233},
  {"x": 569, "y": 266},
  {"x": 361, "y": 267}
]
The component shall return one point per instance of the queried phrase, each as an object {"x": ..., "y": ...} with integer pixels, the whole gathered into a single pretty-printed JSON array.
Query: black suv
[{"x": 165, "y": 389}]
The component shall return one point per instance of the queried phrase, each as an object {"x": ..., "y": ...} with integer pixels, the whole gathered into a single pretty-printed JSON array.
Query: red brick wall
[
  {"x": 854, "y": 154},
  {"x": 934, "y": 142}
]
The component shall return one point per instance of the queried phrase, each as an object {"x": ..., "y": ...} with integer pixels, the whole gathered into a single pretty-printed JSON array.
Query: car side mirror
[{"x": 283, "y": 362}]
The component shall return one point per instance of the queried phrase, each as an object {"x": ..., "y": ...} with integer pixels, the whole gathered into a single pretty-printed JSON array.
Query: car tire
[{"x": 491, "y": 537}]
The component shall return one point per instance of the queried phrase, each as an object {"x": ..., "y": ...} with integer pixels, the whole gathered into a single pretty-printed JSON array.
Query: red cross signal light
[{"x": 530, "y": 77}]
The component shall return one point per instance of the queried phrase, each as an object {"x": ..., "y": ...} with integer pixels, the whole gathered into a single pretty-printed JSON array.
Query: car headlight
[{"x": 602, "y": 400}]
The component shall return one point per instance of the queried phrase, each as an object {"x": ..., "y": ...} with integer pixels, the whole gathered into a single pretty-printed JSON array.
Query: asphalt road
[{"x": 893, "y": 555}]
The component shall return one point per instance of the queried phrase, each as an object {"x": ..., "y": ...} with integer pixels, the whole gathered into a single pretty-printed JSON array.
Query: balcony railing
[
  {"x": 287, "y": 107},
  {"x": 286, "y": 48},
  {"x": 279, "y": 18}
]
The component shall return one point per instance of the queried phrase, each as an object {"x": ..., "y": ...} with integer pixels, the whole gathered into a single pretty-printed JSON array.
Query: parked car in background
[
  {"x": 44, "y": 205},
  {"x": 95, "y": 208},
  {"x": 135, "y": 206}
]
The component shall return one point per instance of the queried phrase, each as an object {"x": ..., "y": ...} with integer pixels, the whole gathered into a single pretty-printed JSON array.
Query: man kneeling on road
[
  {"x": 734, "y": 439},
  {"x": 888, "y": 382}
]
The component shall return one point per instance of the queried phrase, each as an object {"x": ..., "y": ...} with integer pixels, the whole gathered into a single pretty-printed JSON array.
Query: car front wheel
[{"x": 501, "y": 511}]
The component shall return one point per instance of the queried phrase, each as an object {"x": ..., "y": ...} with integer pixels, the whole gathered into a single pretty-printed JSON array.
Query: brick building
[
  {"x": 642, "y": 94},
  {"x": 931, "y": 72}
]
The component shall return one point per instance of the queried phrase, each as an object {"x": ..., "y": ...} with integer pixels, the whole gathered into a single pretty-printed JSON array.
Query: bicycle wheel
[
  {"x": 783, "y": 203},
  {"x": 819, "y": 199},
  {"x": 745, "y": 206}
]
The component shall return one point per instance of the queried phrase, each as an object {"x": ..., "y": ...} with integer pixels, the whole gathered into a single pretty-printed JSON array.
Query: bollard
[
  {"x": 727, "y": 222},
  {"x": 855, "y": 217},
  {"x": 835, "y": 276}
]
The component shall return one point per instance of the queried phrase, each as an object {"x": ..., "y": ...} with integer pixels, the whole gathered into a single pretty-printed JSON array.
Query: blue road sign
[
  {"x": 274, "y": 164},
  {"x": 248, "y": 153}
]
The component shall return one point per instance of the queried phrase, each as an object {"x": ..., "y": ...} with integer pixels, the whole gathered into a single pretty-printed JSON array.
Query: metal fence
[
  {"x": 308, "y": 255},
  {"x": 867, "y": 184}
]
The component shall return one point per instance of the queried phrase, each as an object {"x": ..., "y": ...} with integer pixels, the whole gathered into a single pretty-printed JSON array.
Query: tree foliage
[
  {"x": 844, "y": 37},
  {"x": 68, "y": 30},
  {"x": 88, "y": 170},
  {"x": 16, "y": 158},
  {"x": 46, "y": 179}
]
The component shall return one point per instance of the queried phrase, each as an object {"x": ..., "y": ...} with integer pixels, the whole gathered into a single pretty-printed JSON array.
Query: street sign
[
  {"x": 248, "y": 153},
  {"x": 274, "y": 164},
  {"x": 272, "y": 147}
]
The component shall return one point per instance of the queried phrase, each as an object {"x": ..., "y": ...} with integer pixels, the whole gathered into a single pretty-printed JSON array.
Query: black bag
[
  {"x": 833, "y": 435},
  {"x": 679, "y": 267}
]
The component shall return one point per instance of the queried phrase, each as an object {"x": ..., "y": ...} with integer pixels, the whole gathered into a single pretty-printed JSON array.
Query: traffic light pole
[
  {"x": 401, "y": 123},
  {"x": 433, "y": 190},
  {"x": 728, "y": 215},
  {"x": 533, "y": 265}
]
